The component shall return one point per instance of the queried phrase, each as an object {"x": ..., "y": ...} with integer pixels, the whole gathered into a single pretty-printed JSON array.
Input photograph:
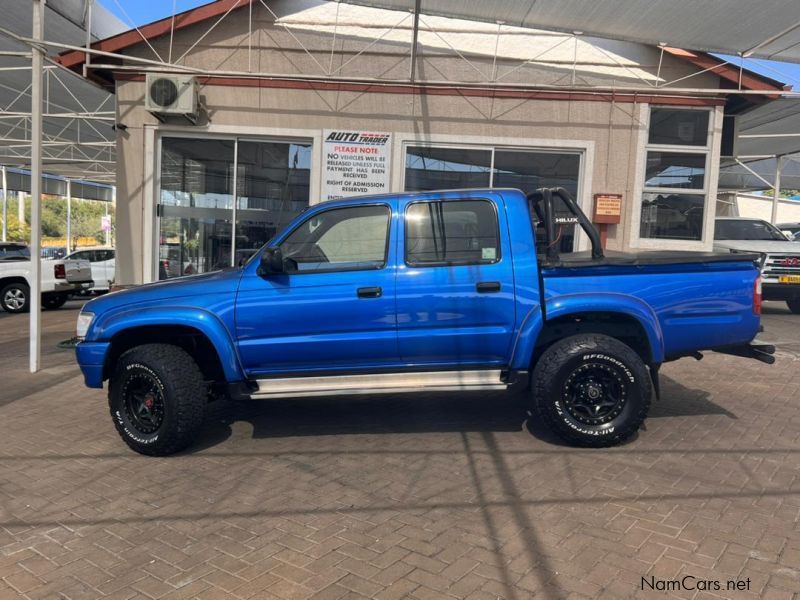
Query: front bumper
[
  {"x": 91, "y": 357},
  {"x": 780, "y": 291}
]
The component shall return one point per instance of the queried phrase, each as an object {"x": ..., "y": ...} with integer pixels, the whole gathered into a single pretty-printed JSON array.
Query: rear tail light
[
  {"x": 60, "y": 271},
  {"x": 757, "y": 296}
]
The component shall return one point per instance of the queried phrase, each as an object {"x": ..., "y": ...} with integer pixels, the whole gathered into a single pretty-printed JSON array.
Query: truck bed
[{"x": 701, "y": 301}]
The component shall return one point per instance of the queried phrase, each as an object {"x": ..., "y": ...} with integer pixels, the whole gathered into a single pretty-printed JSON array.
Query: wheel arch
[
  {"x": 198, "y": 332},
  {"x": 622, "y": 317},
  {"x": 4, "y": 281}
]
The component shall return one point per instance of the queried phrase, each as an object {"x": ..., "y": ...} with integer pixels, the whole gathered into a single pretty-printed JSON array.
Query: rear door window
[{"x": 452, "y": 232}]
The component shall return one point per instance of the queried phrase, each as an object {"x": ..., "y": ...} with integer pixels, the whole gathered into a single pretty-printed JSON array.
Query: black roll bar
[{"x": 542, "y": 202}]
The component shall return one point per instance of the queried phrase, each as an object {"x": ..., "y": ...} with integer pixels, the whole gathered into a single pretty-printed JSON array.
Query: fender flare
[
  {"x": 570, "y": 304},
  {"x": 205, "y": 322}
]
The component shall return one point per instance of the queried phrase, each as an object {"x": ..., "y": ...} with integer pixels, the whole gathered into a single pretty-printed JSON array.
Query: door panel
[
  {"x": 455, "y": 285},
  {"x": 334, "y": 309}
]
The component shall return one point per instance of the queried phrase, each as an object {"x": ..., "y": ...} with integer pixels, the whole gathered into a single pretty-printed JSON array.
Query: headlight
[{"x": 84, "y": 320}]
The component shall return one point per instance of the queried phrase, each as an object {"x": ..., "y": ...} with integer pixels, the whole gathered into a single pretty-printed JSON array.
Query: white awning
[
  {"x": 772, "y": 129},
  {"x": 761, "y": 29}
]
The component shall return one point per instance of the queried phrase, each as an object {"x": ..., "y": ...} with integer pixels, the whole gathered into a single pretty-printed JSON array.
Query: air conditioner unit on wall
[{"x": 171, "y": 95}]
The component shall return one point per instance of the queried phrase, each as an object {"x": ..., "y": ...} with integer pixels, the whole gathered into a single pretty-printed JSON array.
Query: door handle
[
  {"x": 488, "y": 287},
  {"x": 370, "y": 292}
]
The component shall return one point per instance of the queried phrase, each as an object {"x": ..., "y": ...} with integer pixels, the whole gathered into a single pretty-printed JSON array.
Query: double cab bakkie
[
  {"x": 58, "y": 279},
  {"x": 780, "y": 257},
  {"x": 448, "y": 291}
]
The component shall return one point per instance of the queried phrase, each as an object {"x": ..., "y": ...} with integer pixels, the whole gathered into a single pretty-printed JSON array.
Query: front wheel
[
  {"x": 157, "y": 399},
  {"x": 794, "y": 305},
  {"x": 592, "y": 390},
  {"x": 14, "y": 297}
]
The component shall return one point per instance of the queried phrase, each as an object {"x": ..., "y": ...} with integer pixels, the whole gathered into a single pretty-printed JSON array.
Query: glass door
[
  {"x": 272, "y": 188},
  {"x": 203, "y": 223}
]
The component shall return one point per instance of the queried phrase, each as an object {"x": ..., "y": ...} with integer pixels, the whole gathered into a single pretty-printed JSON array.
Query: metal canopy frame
[
  {"x": 91, "y": 146},
  {"x": 77, "y": 140},
  {"x": 412, "y": 21}
]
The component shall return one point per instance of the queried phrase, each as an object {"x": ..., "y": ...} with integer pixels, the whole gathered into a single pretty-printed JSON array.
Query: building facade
[{"x": 302, "y": 102}]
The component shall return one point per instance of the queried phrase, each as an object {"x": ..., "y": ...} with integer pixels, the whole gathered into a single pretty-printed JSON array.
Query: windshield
[{"x": 747, "y": 230}]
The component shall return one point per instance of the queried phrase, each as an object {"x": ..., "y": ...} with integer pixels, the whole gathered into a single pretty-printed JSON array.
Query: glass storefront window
[
  {"x": 672, "y": 216},
  {"x": 529, "y": 170},
  {"x": 196, "y": 199},
  {"x": 675, "y": 170},
  {"x": 435, "y": 168},
  {"x": 678, "y": 127}
]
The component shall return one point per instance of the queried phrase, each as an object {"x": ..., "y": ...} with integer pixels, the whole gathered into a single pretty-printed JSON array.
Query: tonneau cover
[{"x": 584, "y": 259}]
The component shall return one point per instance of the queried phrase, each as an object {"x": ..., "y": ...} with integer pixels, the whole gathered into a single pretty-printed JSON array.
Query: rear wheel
[
  {"x": 54, "y": 301},
  {"x": 15, "y": 297},
  {"x": 794, "y": 305},
  {"x": 157, "y": 399},
  {"x": 592, "y": 390}
]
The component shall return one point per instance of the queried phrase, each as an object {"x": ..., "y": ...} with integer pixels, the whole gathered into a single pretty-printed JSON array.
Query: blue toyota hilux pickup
[{"x": 435, "y": 291}]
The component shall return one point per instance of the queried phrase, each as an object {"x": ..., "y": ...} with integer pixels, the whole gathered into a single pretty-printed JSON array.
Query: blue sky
[{"x": 140, "y": 12}]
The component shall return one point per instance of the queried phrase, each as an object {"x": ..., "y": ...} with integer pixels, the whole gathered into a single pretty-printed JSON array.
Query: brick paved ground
[{"x": 417, "y": 497}]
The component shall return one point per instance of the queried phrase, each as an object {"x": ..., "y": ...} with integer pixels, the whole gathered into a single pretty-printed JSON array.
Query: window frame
[
  {"x": 708, "y": 191},
  {"x": 316, "y": 213},
  {"x": 445, "y": 263}
]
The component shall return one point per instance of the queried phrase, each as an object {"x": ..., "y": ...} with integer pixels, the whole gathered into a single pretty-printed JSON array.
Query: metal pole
[
  {"x": 69, "y": 216},
  {"x": 21, "y": 207},
  {"x": 5, "y": 205},
  {"x": 107, "y": 231},
  {"x": 87, "y": 21},
  {"x": 37, "y": 64},
  {"x": 776, "y": 190},
  {"x": 414, "y": 36}
]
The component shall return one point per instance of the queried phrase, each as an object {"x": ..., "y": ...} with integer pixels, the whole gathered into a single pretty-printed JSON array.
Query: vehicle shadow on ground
[
  {"x": 446, "y": 412},
  {"x": 677, "y": 400}
]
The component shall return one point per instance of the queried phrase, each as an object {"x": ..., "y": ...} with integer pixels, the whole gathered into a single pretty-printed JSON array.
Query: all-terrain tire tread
[
  {"x": 182, "y": 375},
  {"x": 547, "y": 368}
]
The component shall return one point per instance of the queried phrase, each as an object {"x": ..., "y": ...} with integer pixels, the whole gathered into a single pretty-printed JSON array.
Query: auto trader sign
[{"x": 356, "y": 163}]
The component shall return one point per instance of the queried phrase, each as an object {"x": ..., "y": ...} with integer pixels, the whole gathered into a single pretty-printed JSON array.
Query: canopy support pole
[
  {"x": 37, "y": 69},
  {"x": 69, "y": 216},
  {"x": 5, "y": 205},
  {"x": 776, "y": 190}
]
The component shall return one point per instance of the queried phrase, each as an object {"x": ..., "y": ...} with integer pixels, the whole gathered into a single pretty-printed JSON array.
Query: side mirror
[{"x": 272, "y": 261}]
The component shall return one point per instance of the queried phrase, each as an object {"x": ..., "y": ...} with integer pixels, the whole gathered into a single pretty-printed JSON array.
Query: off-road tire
[
  {"x": 18, "y": 289},
  {"x": 54, "y": 301},
  {"x": 794, "y": 305},
  {"x": 173, "y": 373},
  {"x": 560, "y": 371}
]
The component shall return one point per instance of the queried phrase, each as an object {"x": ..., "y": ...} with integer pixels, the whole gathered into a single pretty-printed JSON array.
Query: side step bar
[{"x": 379, "y": 383}]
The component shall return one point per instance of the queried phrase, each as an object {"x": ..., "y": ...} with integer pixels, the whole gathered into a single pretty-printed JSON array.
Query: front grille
[{"x": 780, "y": 264}]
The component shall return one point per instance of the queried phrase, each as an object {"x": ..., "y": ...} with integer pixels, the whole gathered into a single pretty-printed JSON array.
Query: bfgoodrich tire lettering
[
  {"x": 157, "y": 399},
  {"x": 592, "y": 390}
]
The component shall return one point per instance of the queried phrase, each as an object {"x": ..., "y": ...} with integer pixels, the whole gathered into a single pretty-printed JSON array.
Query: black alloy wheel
[
  {"x": 144, "y": 402},
  {"x": 595, "y": 393}
]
